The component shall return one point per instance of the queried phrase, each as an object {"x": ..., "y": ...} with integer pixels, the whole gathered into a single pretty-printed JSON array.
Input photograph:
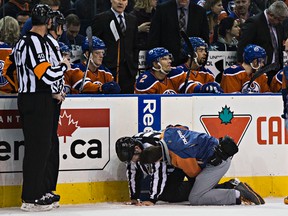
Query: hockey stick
[
  {"x": 261, "y": 71},
  {"x": 191, "y": 53},
  {"x": 89, "y": 36}
]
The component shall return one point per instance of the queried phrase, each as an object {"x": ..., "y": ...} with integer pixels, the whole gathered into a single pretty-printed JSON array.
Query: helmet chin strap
[
  {"x": 196, "y": 60},
  {"x": 255, "y": 68},
  {"x": 160, "y": 69},
  {"x": 93, "y": 63}
]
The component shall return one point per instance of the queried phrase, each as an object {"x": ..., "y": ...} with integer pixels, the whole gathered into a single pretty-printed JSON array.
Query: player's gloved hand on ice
[
  {"x": 211, "y": 87},
  {"x": 111, "y": 88}
]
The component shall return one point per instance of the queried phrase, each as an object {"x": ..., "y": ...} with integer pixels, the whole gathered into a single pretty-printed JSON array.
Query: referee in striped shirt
[{"x": 35, "y": 104}]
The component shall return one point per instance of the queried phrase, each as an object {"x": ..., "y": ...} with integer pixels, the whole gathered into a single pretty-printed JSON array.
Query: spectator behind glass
[
  {"x": 165, "y": 26},
  {"x": 10, "y": 30},
  {"x": 241, "y": 10},
  {"x": 85, "y": 10},
  {"x": 266, "y": 30},
  {"x": 72, "y": 38},
  {"x": 22, "y": 17},
  {"x": 53, "y": 4},
  {"x": 228, "y": 32},
  {"x": 65, "y": 7},
  {"x": 122, "y": 55},
  {"x": 215, "y": 12},
  {"x": 13, "y": 7},
  {"x": 144, "y": 11},
  {"x": 9, "y": 35}
]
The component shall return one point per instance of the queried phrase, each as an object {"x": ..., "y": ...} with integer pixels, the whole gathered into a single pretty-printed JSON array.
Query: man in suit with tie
[
  {"x": 170, "y": 18},
  {"x": 266, "y": 30},
  {"x": 118, "y": 30}
]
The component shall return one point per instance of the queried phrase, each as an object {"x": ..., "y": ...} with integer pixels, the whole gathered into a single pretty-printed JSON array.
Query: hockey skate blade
[{"x": 31, "y": 207}]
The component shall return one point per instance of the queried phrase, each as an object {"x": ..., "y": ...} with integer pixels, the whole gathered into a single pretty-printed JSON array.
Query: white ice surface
[{"x": 273, "y": 207}]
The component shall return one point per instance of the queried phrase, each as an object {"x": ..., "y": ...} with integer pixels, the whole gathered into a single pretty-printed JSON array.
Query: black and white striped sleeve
[{"x": 134, "y": 175}]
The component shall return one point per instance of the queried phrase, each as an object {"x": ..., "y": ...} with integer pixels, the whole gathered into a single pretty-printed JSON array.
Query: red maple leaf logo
[{"x": 66, "y": 126}]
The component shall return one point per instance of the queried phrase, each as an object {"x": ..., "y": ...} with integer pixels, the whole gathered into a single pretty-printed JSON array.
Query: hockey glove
[
  {"x": 211, "y": 87},
  {"x": 111, "y": 88},
  {"x": 226, "y": 148}
]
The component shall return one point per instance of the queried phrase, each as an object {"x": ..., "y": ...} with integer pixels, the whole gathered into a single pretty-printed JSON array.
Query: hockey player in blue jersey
[
  {"x": 168, "y": 170},
  {"x": 206, "y": 159}
]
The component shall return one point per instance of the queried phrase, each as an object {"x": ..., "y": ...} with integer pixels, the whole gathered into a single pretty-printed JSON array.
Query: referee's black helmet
[
  {"x": 125, "y": 147},
  {"x": 41, "y": 14}
]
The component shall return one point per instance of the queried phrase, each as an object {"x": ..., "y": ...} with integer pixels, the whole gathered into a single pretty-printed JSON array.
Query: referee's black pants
[
  {"x": 176, "y": 189},
  {"x": 36, "y": 113},
  {"x": 54, "y": 157}
]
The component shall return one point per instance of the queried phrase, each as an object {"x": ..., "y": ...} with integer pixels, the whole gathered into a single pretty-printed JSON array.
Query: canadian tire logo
[{"x": 226, "y": 123}]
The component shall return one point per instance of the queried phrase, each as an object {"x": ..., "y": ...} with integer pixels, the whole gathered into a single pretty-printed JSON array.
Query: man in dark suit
[
  {"x": 165, "y": 26},
  {"x": 266, "y": 30},
  {"x": 118, "y": 30}
]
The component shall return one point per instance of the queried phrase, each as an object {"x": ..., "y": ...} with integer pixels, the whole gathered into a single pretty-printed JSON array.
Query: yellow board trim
[
  {"x": 117, "y": 191},
  {"x": 266, "y": 186}
]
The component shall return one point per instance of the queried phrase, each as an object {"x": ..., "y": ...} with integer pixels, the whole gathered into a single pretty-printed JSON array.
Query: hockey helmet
[
  {"x": 58, "y": 19},
  {"x": 64, "y": 48},
  {"x": 195, "y": 42},
  {"x": 252, "y": 52},
  {"x": 97, "y": 44},
  {"x": 125, "y": 147},
  {"x": 155, "y": 54},
  {"x": 40, "y": 15}
]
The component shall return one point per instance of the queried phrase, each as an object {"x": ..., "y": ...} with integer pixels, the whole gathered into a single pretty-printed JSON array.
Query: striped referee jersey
[
  {"x": 55, "y": 59},
  {"x": 35, "y": 73},
  {"x": 157, "y": 171}
]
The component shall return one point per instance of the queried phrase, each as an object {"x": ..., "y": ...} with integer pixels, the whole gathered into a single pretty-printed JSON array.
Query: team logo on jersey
[
  {"x": 226, "y": 123},
  {"x": 84, "y": 137},
  {"x": 169, "y": 91},
  {"x": 1, "y": 65},
  {"x": 253, "y": 88},
  {"x": 3, "y": 81}
]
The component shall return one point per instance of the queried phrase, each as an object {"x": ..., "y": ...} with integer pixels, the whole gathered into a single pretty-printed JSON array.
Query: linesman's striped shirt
[
  {"x": 35, "y": 73},
  {"x": 55, "y": 59},
  {"x": 157, "y": 171}
]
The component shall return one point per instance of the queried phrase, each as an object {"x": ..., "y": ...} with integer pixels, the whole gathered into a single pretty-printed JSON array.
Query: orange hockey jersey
[
  {"x": 173, "y": 83},
  {"x": 5, "y": 86},
  {"x": 276, "y": 83},
  {"x": 93, "y": 81},
  {"x": 235, "y": 80},
  {"x": 203, "y": 75}
]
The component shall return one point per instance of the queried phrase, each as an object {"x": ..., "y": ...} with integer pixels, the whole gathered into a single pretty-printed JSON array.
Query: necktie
[
  {"x": 182, "y": 20},
  {"x": 275, "y": 44},
  {"x": 121, "y": 23}
]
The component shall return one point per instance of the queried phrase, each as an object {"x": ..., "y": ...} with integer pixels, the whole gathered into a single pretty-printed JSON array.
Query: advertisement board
[{"x": 89, "y": 127}]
